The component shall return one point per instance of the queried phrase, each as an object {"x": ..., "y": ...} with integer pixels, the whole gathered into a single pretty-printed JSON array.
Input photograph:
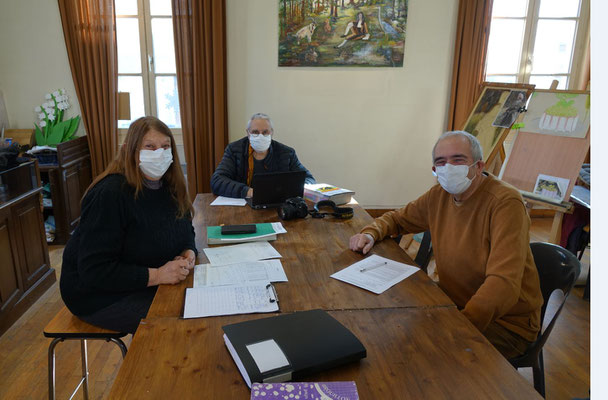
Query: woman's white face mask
[
  {"x": 154, "y": 163},
  {"x": 453, "y": 178}
]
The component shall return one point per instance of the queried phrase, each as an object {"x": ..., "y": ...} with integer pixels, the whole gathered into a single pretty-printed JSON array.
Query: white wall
[
  {"x": 367, "y": 129},
  {"x": 33, "y": 59}
]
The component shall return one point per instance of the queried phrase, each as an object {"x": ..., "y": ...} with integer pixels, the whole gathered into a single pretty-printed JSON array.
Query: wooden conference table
[{"x": 418, "y": 344}]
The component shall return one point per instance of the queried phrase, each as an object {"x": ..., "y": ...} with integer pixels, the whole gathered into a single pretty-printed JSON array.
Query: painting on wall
[
  {"x": 558, "y": 113},
  {"x": 480, "y": 121},
  {"x": 340, "y": 33}
]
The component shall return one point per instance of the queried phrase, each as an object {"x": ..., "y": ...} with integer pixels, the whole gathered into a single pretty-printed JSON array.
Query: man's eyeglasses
[{"x": 256, "y": 133}]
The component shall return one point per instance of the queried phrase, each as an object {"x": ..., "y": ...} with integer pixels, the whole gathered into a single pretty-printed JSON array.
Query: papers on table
[
  {"x": 229, "y": 300},
  {"x": 241, "y": 252},
  {"x": 243, "y": 272},
  {"x": 228, "y": 201},
  {"x": 375, "y": 273},
  {"x": 264, "y": 232}
]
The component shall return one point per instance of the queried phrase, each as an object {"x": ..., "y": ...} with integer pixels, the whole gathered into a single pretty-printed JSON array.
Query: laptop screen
[{"x": 273, "y": 188}]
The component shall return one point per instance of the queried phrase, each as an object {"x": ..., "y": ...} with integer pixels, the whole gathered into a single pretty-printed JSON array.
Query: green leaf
[
  {"x": 40, "y": 139},
  {"x": 72, "y": 128},
  {"x": 56, "y": 133}
]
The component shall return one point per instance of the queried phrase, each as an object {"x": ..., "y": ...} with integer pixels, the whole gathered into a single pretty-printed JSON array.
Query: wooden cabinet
[
  {"x": 69, "y": 178},
  {"x": 25, "y": 270}
]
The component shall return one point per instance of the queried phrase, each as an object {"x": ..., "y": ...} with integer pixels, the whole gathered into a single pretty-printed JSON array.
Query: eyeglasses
[{"x": 256, "y": 133}]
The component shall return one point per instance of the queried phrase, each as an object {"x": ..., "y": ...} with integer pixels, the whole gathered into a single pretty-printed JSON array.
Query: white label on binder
[{"x": 267, "y": 355}]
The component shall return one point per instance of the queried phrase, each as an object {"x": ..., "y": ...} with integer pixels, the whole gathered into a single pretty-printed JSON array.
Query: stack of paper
[{"x": 237, "y": 281}]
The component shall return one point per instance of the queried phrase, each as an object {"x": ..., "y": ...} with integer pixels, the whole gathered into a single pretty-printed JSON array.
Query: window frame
[
  {"x": 531, "y": 20},
  {"x": 146, "y": 49}
]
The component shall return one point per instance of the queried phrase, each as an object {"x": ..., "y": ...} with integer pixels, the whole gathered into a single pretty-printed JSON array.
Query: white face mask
[
  {"x": 155, "y": 163},
  {"x": 453, "y": 178},
  {"x": 260, "y": 143}
]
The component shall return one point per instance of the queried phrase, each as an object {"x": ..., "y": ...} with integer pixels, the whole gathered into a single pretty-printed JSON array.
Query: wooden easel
[{"x": 577, "y": 149}]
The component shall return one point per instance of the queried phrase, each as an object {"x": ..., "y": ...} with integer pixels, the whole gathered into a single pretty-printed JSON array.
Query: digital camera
[{"x": 293, "y": 208}]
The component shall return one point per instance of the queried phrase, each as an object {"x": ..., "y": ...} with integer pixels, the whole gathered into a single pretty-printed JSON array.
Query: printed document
[
  {"x": 375, "y": 273},
  {"x": 253, "y": 251},
  {"x": 228, "y": 201},
  {"x": 228, "y": 300},
  {"x": 233, "y": 274}
]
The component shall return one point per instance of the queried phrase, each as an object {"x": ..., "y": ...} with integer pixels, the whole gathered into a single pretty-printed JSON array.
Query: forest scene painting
[{"x": 322, "y": 33}]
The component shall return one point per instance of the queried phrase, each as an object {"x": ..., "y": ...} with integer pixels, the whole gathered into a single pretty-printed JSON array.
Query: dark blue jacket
[{"x": 230, "y": 177}]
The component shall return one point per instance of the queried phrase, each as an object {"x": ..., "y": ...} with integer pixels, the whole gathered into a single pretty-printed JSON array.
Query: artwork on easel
[
  {"x": 551, "y": 187},
  {"x": 558, "y": 114},
  {"x": 514, "y": 105},
  {"x": 498, "y": 104}
]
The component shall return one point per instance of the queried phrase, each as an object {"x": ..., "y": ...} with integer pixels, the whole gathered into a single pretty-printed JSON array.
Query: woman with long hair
[{"x": 135, "y": 232}]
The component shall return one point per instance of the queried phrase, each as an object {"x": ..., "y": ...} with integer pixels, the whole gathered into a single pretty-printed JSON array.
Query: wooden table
[{"x": 418, "y": 344}]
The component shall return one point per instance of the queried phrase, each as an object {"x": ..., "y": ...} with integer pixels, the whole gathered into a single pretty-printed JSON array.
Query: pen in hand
[{"x": 373, "y": 267}]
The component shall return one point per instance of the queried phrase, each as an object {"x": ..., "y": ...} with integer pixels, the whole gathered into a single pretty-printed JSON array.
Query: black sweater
[
  {"x": 230, "y": 176},
  {"x": 118, "y": 239}
]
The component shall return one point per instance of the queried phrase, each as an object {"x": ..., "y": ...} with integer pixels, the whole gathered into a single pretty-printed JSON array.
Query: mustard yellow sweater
[{"x": 481, "y": 248}]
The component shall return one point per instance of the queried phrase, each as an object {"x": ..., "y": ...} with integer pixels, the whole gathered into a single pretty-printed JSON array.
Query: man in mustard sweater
[{"x": 480, "y": 232}]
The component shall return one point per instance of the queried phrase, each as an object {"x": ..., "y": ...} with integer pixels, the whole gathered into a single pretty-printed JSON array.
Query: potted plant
[{"x": 52, "y": 129}]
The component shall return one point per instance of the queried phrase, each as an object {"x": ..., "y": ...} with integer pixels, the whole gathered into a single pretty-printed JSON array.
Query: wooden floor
[{"x": 23, "y": 349}]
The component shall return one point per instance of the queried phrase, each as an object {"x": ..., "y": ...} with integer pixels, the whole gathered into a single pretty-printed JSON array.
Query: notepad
[
  {"x": 264, "y": 232},
  {"x": 375, "y": 273},
  {"x": 230, "y": 300},
  {"x": 238, "y": 273}
]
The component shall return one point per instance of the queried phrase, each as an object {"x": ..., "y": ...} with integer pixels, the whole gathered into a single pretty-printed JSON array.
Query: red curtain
[
  {"x": 89, "y": 29},
  {"x": 200, "y": 51},
  {"x": 472, "y": 33}
]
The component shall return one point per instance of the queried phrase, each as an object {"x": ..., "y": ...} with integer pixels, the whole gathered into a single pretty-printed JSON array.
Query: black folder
[{"x": 311, "y": 341}]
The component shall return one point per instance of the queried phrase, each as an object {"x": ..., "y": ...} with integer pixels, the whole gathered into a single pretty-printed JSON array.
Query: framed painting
[
  {"x": 326, "y": 33},
  {"x": 558, "y": 113}
]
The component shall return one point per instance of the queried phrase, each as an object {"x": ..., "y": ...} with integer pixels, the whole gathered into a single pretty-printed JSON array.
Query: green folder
[{"x": 263, "y": 232}]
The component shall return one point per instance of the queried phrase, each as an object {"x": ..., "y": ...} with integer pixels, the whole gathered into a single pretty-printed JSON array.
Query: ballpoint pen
[{"x": 373, "y": 267}]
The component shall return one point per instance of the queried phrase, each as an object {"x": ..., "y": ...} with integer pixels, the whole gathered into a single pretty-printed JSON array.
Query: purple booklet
[{"x": 305, "y": 391}]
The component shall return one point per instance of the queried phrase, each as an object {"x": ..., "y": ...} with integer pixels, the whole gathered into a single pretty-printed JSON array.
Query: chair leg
[
  {"x": 538, "y": 372},
  {"x": 121, "y": 345},
  {"x": 52, "y": 367},
  {"x": 85, "y": 368}
]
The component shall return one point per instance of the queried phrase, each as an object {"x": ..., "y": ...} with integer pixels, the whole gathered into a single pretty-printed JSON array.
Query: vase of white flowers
[{"x": 52, "y": 129}]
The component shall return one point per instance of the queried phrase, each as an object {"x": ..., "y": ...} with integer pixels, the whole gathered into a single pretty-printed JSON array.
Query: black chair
[
  {"x": 425, "y": 251},
  {"x": 558, "y": 269}
]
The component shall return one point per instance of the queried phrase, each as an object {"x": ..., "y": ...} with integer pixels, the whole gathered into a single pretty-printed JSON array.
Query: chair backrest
[
  {"x": 425, "y": 251},
  {"x": 558, "y": 269}
]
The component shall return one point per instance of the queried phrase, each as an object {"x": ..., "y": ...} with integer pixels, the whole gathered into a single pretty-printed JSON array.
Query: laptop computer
[{"x": 271, "y": 189}]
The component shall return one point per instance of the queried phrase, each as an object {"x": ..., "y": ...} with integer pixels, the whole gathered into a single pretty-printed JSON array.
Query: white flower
[
  {"x": 38, "y": 109},
  {"x": 51, "y": 117},
  {"x": 42, "y": 124},
  {"x": 47, "y": 96},
  {"x": 66, "y": 105},
  {"x": 62, "y": 91},
  {"x": 41, "y": 115},
  {"x": 48, "y": 110},
  {"x": 56, "y": 93}
]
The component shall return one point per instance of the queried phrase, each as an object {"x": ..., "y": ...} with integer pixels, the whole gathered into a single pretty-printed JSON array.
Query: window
[
  {"x": 537, "y": 41},
  {"x": 146, "y": 60}
]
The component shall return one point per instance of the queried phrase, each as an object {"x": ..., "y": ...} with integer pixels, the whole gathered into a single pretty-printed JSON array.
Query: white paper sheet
[
  {"x": 254, "y": 251},
  {"x": 229, "y": 300},
  {"x": 278, "y": 227},
  {"x": 375, "y": 273},
  {"x": 234, "y": 274},
  {"x": 228, "y": 201}
]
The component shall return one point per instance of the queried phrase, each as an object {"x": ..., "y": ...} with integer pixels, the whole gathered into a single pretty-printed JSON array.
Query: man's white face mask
[
  {"x": 453, "y": 178},
  {"x": 259, "y": 142},
  {"x": 155, "y": 163}
]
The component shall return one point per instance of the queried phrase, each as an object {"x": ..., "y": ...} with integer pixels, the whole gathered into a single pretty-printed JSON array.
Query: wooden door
[
  {"x": 11, "y": 287},
  {"x": 31, "y": 235}
]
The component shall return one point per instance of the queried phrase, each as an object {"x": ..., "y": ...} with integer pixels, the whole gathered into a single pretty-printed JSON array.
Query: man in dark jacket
[{"x": 255, "y": 153}]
